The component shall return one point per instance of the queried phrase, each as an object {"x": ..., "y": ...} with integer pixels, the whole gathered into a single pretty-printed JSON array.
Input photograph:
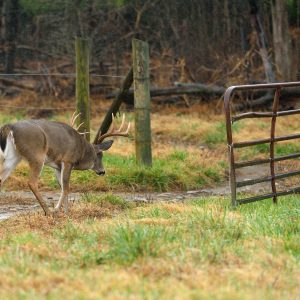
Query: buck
[{"x": 56, "y": 144}]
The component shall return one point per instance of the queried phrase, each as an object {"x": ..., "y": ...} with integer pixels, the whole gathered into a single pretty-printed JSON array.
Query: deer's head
[
  {"x": 94, "y": 161},
  {"x": 99, "y": 148},
  {"x": 100, "y": 145}
]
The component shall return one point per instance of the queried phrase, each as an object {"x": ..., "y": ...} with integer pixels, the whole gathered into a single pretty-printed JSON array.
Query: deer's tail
[{"x": 9, "y": 156}]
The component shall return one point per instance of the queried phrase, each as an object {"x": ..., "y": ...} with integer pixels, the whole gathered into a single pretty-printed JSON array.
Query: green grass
[
  {"x": 201, "y": 248},
  {"x": 287, "y": 148},
  {"x": 264, "y": 149},
  {"x": 127, "y": 244},
  {"x": 13, "y": 117},
  {"x": 102, "y": 200},
  {"x": 217, "y": 135},
  {"x": 176, "y": 171},
  {"x": 108, "y": 248}
]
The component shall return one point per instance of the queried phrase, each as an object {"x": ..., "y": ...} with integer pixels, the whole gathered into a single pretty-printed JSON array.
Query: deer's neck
[{"x": 88, "y": 157}]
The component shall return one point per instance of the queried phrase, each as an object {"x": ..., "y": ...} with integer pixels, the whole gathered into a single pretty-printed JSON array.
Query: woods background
[{"x": 207, "y": 41}]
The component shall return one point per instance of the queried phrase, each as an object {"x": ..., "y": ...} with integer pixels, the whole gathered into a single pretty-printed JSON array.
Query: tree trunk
[
  {"x": 115, "y": 106},
  {"x": 11, "y": 11},
  {"x": 227, "y": 20},
  {"x": 261, "y": 41},
  {"x": 2, "y": 20},
  {"x": 282, "y": 40}
]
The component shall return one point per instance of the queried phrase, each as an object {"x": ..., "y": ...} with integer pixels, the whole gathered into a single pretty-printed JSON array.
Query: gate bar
[
  {"x": 267, "y": 196},
  {"x": 265, "y": 179},
  {"x": 264, "y": 161},
  {"x": 250, "y": 115},
  {"x": 265, "y": 141}
]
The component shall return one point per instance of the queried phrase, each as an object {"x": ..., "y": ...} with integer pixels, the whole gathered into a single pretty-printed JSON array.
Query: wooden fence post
[
  {"x": 141, "y": 81},
  {"x": 82, "y": 85}
]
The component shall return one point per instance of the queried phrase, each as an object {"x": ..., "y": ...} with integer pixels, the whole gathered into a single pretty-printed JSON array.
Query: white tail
[
  {"x": 55, "y": 144},
  {"x": 9, "y": 158}
]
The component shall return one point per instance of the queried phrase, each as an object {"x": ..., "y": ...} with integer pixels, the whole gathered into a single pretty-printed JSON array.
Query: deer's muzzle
[{"x": 100, "y": 172}]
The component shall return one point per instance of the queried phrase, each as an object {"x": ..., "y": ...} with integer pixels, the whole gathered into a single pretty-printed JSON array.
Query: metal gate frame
[{"x": 272, "y": 140}]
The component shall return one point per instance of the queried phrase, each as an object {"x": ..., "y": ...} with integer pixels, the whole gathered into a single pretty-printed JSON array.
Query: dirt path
[{"x": 12, "y": 203}]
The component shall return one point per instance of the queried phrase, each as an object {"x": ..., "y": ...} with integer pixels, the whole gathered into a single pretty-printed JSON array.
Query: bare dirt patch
[{"x": 12, "y": 203}]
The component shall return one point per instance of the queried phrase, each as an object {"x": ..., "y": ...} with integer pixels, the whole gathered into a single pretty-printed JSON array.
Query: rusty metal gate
[{"x": 234, "y": 184}]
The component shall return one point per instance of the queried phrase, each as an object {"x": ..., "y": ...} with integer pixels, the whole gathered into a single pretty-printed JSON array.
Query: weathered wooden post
[
  {"x": 141, "y": 81},
  {"x": 82, "y": 85}
]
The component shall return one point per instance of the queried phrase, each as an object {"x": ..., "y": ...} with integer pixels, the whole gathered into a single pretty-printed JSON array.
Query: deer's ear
[{"x": 104, "y": 146}]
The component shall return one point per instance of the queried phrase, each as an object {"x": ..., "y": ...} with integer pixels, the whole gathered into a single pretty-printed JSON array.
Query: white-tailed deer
[{"x": 55, "y": 144}]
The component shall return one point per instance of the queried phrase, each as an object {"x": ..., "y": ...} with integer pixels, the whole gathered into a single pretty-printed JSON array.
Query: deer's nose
[{"x": 100, "y": 172}]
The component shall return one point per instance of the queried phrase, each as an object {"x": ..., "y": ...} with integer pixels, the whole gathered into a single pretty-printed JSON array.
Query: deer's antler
[
  {"x": 114, "y": 132},
  {"x": 73, "y": 120}
]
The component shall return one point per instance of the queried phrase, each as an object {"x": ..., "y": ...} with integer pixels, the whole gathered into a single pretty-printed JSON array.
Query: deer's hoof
[
  {"x": 47, "y": 213},
  {"x": 54, "y": 213}
]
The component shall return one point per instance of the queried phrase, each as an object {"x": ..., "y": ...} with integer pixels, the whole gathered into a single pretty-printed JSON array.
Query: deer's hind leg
[{"x": 36, "y": 167}]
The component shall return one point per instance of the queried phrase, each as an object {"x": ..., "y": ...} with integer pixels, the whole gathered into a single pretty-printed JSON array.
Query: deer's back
[{"x": 58, "y": 141}]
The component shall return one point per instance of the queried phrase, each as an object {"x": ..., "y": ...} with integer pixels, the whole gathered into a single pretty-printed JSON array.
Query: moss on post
[
  {"x": 141, "y": 81},
  {"x": 82, "y": 85}
]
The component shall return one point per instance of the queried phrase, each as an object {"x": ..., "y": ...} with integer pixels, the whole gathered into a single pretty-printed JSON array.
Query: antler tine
[
  {"x": 122, "y": 123},
  {"x": 128, "y": 127},
  {"x": 74, "y": 119},
  {"x": 76, "y": 128},
  {"x": 113, "y": 132},
  {"x": 84, "y": 133},
  {"x": 112, "y": 127}
]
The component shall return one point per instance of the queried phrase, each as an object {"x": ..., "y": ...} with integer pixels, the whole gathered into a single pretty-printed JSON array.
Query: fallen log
[
  {"x": 204, "y": 88},
  {"x": 100, "y": 88},
  {"x": 21, "y": 84},
  {"x": 268, "y": 98},
  {"x": 9, "y": 90},
  {"x": 260, "y": 101},
  {"x": 199, "y": 89}
]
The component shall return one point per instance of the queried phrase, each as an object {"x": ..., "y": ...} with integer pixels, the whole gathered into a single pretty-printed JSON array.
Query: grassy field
[
  {"x": 189, "y": 152},
  {"x": 181, "y": 162},
  {"x": 108, "y": 248}
]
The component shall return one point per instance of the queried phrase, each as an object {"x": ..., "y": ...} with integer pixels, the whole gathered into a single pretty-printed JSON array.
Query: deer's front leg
[
  {"x": 65, "y": 174},
  {"x": 58, "y": 176}
]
